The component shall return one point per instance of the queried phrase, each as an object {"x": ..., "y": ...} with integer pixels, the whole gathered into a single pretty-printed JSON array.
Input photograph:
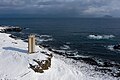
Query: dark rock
[
  {"x": 75, "y": 58},
  {"x": 14, "y": 42},
  {"x": 43, "y": 52},
  {"x": 45, "y": 46},
  {"x": 36, "y": 68},
  {"x": 42, "y": 65},
  {"x": 90, "y": 61},
  {"x": 71, "y": 54},
  {"x": 12, "y": 36},
  {"x": 117, "y": 46},
  {"x": 50, "y": 49},
  {"x": 117, "y": 74},
  {"x": 107, "y": 64}
]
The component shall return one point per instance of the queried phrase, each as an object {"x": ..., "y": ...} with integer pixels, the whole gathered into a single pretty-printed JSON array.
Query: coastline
[
  {"x": 61, "y": 69},
  {"x": 15, "y": 62}
]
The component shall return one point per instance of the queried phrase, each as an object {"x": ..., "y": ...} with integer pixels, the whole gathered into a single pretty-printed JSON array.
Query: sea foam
[
  {"x": 44, "y": 38},
  {"x": 101, "y": 36}
]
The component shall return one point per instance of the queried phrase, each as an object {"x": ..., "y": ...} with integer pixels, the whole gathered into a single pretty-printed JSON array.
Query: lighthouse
[{"x": 31, "y": 44}]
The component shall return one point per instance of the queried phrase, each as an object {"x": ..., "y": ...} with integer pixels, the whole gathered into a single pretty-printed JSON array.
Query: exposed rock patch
[{"x": 42, "y": 65}]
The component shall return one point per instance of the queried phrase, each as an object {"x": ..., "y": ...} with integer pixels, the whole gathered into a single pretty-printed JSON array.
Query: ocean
[{"x": 93, "y": 37}]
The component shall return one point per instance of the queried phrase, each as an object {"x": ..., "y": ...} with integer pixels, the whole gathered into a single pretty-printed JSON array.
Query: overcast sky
[{"x": 61, "y": 7}]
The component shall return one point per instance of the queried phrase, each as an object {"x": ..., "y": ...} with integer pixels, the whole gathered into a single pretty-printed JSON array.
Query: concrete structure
[{"x": 31, "y": 44}]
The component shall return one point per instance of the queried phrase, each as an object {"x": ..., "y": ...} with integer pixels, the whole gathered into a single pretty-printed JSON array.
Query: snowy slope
[
  {"x": 14, "y": 59},
  {"x": 14, "y": 64}
]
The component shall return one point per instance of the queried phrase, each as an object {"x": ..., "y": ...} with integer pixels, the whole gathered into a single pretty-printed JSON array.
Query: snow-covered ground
[{"x": 15, "y": 60}]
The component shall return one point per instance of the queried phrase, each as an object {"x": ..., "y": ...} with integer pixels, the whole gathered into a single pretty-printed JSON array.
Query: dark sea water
[{"x": 73, "y": 34}]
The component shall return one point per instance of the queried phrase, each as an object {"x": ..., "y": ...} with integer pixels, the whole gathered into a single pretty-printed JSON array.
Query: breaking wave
[
  {"x": 44, "y": 38},
  {"x": 65, "y": 47},
  {"x": 101, "y": 36},
  {"x": 111, "y": 47}
]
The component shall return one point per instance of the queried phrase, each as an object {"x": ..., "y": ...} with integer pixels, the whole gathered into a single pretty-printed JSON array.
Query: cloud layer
[{"x": 61, "y": 7}]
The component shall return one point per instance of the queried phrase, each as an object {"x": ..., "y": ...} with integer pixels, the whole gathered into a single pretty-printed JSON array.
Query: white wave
[
  {"x": 74, "y": 52},
  {"x": 44, "y": 40},
  {"x": 65, "y": 47},
  {"x": 101, "y": 36},
  {"x": 61, "y": 51},
  {"x": 47, "y": 36},
  {"x": 111, "y": 47},
  {"x": 68, "y": 43},
  {"x": 81, "y": 56}
]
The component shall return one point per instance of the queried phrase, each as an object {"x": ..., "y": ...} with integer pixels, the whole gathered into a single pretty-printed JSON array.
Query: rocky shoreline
[
  {"x": 5, "y": 29},
  {"x": 104, "y": 67}
]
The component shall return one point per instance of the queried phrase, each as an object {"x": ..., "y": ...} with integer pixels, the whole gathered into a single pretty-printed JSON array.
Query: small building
[{"x": 31, "y": 44}]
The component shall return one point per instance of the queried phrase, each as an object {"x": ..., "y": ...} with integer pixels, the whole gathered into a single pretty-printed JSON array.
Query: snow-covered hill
[
  {"x": 15, "y": 60},
  {"x": 15, "y": 64}
]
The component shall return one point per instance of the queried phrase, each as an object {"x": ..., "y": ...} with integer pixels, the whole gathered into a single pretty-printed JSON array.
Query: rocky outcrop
[
  {"x": 10, "y": 29},
  {"x": 42, "y": 65}
]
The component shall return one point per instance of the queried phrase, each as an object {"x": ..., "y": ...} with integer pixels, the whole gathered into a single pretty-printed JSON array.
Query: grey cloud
[{"x": 67, "y": 7}]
